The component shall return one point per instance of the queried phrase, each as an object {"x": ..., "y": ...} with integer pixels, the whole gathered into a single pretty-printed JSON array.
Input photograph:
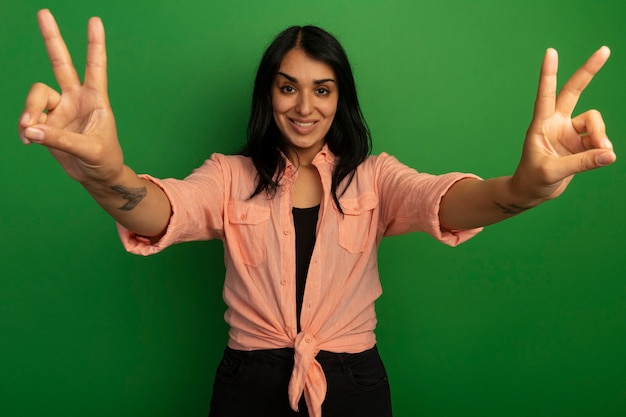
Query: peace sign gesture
[
  {"x": 77, "y": 124},
  {"x": 558, "y": 146}
]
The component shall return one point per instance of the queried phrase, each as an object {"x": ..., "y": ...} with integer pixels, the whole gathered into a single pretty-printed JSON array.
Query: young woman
[{"x": 301, "y": 212}]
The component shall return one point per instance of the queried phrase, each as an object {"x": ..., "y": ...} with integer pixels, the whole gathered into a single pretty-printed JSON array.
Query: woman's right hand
[{"x": 77, "y": 124}]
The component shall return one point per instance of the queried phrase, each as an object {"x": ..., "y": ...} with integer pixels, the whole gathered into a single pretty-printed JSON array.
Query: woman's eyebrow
[{"x": 295, "y": 80}]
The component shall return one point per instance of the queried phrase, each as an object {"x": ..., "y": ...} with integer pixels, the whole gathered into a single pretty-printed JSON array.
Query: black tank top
[{"x": 305, "y": 223}]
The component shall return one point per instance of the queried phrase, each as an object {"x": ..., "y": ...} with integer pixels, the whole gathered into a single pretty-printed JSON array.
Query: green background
[{"x": 527, "y": 319}]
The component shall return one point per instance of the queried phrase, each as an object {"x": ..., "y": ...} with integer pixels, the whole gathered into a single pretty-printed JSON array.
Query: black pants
[{"x": 255, "y": 384}]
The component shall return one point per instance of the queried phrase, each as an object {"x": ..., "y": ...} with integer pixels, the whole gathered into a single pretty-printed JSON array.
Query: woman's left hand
[{"x": 558, "y": 146}]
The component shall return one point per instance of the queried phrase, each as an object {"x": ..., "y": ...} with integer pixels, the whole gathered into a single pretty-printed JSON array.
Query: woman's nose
[{"x": 305, "y": 104}]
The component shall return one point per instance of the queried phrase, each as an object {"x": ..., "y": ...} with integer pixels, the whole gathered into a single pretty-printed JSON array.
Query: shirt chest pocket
[
  {"x": 355, "y": 226},
  {"x": 247, "y": 236}
]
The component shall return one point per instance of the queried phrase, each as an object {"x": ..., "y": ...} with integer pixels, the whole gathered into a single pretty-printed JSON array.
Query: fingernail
[
  {"x": 607, "y": 144},
  {"x": 24, "y": 140},
  {"x": 33, "y": 134},
  {"x": 605, "y": 158},
  {"x": 24, "y": 119}
]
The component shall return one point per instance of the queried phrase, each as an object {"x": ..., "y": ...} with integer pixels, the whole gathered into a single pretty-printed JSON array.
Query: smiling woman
[
  {"x": 301, "y": 211},
  {"x": 305, "y": 56},
  {"x": 304, "y": 103}
]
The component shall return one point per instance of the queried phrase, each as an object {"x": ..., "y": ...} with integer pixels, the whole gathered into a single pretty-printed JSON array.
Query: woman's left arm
[{"x": 556, "y": 147}]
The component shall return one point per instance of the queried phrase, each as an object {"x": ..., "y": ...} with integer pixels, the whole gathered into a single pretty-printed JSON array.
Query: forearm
[
  {"x": 472, "y": 203},
  {"x": 137, "y": 204}
]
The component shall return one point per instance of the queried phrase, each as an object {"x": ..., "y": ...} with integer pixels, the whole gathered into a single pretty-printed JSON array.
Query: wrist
[
  {"x": 123, "y": 175},
  {"x": 115, "y": 186},
  {"x": 520, "y": 196}
]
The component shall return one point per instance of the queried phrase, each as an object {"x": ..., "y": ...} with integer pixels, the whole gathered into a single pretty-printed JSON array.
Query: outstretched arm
[
  {"x": 556, "y": 148},
  {"x": 78, "y": 128}
]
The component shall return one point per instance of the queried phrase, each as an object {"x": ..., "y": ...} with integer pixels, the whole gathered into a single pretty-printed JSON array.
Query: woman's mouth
[{"x": 303, "y": 125}]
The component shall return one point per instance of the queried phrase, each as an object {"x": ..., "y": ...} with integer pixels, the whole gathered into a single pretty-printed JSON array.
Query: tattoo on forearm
[
  {"x": 510, "y": 208},
  {"x": 133, "y": 195}
]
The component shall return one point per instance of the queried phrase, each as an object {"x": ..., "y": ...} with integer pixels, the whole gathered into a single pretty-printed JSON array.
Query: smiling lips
[{"x": 303, "y": 125}]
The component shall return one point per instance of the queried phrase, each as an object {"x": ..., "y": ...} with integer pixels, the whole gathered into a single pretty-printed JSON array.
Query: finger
[
  {"x": 62, "y": 140},
  {"x": 583, "y": 161},
  {"x": 60, "y": 58},
  {"x": 593, "y": 130},
  {"x": 573, "y": 88},
  {"x": 42, "y": 120},
  {"x": 546, "y": 92},
  {"x": 96, "y": 70},
  {"x": 40, "y": 99}
]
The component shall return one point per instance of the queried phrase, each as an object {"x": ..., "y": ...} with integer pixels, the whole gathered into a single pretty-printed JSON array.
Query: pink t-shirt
[{"x": 385, "y": 198}]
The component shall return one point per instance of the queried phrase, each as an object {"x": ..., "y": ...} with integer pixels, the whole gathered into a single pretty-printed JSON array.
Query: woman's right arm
[{"x": 78, "y": 128}]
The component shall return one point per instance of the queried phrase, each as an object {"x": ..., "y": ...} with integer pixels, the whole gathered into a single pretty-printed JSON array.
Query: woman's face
[{"x": 304, "y": 101}]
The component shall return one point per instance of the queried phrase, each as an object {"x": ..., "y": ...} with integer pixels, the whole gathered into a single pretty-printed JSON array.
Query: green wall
[{"x": 527, "y": 319}]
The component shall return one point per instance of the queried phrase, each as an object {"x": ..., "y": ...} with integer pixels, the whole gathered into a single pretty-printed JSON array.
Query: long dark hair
[{"x": 348, "y": 137}]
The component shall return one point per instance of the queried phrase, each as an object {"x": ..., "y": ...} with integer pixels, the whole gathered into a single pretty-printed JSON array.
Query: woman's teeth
[{"x": 303, "y": 125}]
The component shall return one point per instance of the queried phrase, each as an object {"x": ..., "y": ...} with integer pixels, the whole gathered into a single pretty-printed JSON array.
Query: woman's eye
[
  {"x": 287, "y": 89},
  {"x": 322, "y": 91}
]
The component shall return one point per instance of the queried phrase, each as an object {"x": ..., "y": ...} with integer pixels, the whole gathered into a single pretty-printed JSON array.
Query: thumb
[
  {"x": 585, "y": 161},
  {"x": 54, "y": 138}
]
